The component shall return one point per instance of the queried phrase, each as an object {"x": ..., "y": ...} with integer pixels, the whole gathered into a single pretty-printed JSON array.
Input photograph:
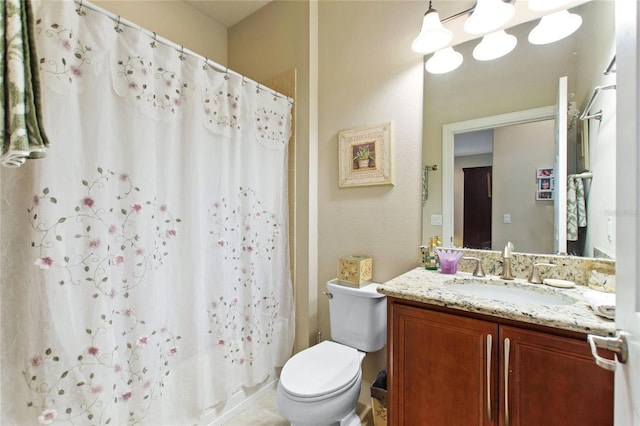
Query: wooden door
[
  {"x": 552, "y": 380},
  {"x": 476, "y": 232},
  {"x": 442, "y": 369}
]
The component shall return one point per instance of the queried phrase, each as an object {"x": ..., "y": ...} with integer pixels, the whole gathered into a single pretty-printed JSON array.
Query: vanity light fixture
[
  {"x": 444, "y": 61},
  {"x": 488, "y": 16},
  {"x": 554, "y": 27},
  {"x": 494, "y": 46},
  {"x": 433, "y": 35}
]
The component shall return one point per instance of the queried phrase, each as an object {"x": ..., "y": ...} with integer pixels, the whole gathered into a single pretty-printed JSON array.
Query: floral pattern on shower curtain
[{"x": 145, "y": 271}]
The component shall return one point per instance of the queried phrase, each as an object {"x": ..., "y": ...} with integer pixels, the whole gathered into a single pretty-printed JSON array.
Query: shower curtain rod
[{"x": 179, "y": 48}]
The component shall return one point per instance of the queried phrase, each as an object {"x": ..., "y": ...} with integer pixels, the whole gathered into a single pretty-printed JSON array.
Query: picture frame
[
  {"x": 545, "y": 184},
  {"x": 544, "y": 172},
  {"x": 364, "y": 156},
  {"x": 544, "y": 195}
]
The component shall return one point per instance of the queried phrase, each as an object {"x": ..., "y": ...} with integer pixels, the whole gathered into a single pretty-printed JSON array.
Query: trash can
[{"x": 379, "y": 399}]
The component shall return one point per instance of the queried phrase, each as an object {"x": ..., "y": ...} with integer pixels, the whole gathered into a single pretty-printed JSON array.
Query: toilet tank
[{"x": 358, "y": 316}]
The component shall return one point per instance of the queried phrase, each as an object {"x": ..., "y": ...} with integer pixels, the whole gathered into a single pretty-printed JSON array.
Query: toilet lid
[{"x": 320, "y": 370}]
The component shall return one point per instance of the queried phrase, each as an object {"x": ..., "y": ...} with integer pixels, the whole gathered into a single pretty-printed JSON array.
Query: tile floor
[{"x": 264, "y": 412}]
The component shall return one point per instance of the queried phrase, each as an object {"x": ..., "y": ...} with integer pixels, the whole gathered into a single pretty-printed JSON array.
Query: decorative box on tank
[{"x": 355, "y": 270}]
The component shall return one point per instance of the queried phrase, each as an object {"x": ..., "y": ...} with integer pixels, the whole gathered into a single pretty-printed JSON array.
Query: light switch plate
[{"x": 507, "y": 218}]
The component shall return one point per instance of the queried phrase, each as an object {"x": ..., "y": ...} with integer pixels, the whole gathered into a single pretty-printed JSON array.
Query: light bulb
[
  {"x": 444, "y": 61},
  {"x": 554, "y": 27},
  {"x": 488, "y": 16},
  {"x": 433, "y": 35},
  {"x": 494, "y": 46}
]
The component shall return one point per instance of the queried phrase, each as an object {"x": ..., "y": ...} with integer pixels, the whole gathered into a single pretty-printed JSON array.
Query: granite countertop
[{"x": 430, "y": 287}]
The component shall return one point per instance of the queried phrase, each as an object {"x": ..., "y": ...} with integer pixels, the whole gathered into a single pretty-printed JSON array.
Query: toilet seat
[{"x": 321, "y": 370}]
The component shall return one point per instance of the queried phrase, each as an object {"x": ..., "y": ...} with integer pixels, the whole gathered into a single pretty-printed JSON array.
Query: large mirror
[{"x": 525, "y": 84}]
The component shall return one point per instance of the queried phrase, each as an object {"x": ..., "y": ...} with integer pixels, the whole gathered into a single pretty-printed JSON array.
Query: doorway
[{"x": 477, "y": 207}]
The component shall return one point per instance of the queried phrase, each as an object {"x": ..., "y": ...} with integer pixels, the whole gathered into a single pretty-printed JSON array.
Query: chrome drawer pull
[
  {"x": 489, "y": 341},
  {"x": 507, "y": 344}
]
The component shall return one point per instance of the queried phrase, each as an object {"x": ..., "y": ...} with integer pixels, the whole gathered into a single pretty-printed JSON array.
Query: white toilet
[{"x": 321, "y": 385}]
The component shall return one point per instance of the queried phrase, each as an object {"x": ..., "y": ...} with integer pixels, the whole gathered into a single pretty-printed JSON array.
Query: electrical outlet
[{"x": 436, "y": 219}]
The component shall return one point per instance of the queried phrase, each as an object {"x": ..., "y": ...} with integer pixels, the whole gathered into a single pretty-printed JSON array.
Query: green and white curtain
[
  {"x": 576, "y": 207},
  {"x": 22, "y": 134},
  {"x": 145, "y": 270}
]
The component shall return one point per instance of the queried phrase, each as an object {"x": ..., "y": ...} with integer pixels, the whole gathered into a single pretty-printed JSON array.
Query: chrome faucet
[
  {"x": 535, "y": 278},
  {"x": 506, "y": 262}
]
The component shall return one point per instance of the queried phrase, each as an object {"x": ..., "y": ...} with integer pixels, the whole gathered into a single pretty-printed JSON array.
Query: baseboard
[{"x": 239, "y": 402}]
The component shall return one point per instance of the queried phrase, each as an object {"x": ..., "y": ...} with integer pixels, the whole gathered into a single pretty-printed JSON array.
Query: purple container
[{"x": 449, "y": 261}]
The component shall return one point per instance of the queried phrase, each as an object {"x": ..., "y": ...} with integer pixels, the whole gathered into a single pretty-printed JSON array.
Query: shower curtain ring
[
  {"x": 226, "y": 73},
  {"x": 258, "y": 89},
  {"x": 117, "y": 27},
  {"x": 153, "y": 42},
  {"x": 80, "y": 9},
  {"x": 206, "y": 63},
  {"x": 181, "y": 56},
  {"x": 243, "y": 82},
  {"x": 275, "y": 95}
]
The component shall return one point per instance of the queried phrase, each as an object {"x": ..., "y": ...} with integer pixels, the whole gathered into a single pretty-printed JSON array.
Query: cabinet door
[
  {"x": 442, "y": 369},
  {"x": 552, "y": 380}
]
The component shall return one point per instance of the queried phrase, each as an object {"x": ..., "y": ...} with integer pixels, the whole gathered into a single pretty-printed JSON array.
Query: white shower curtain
[{"x": 145, "y": 271}]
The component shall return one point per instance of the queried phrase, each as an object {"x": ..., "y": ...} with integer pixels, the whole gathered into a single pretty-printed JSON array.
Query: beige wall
[
  {"x": 175, "y": 21},
  {"x": 368, "y": 75},
  {"x": 517, "y": 152}
]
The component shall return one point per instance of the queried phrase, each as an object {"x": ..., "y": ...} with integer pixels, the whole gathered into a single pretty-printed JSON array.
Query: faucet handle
[
  {"x": 534, "y": 278},
  {"x": 477, "y": 272},
  {"x": 508, "y": 248}
]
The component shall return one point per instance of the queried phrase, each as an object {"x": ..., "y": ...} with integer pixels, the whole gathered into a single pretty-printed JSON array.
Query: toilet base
[
  {"x": 338, "y": 410},
  {"x": 352, "y": 419}
]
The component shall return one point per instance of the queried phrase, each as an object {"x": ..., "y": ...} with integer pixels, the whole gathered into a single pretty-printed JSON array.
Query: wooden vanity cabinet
[
  {"x": 449, "y": 369},
  {"x": 552, "y": 380},
  {"x": 437, "y": 368}
]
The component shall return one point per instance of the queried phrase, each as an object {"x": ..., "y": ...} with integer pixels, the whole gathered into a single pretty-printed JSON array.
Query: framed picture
[
  {"x": 364, "y": 156},
  {"x": 545, "y": 184},
  {"x": 544, "y": 195},
  {"x": 544, "y": 173}
]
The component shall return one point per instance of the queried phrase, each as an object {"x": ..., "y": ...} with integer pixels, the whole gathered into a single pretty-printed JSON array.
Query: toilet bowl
[{"x": 321, "y": 385}]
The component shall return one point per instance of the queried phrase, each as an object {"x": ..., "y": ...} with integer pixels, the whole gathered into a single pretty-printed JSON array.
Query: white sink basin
[{"x": 511, "y": 292}]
